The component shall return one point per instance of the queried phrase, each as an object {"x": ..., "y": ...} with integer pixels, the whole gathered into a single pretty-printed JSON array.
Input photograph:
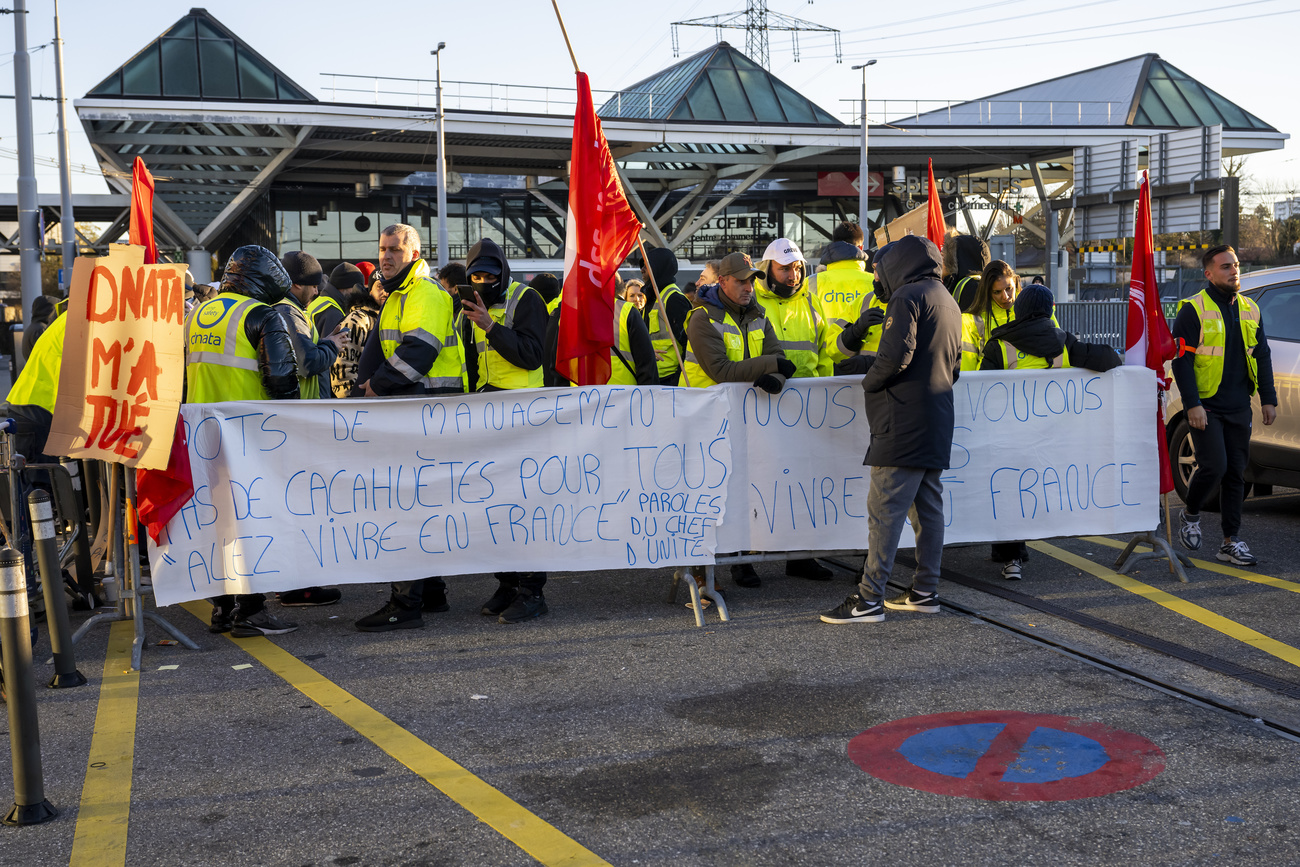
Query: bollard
[
  {"x": 30, "y": 806},
  {"x": 56, "y": 604}
]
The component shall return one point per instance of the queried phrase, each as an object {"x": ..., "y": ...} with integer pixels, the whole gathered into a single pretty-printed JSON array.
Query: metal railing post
[
  {"x": 30, "y": 806},
  {"x": 56, "y": 603}
]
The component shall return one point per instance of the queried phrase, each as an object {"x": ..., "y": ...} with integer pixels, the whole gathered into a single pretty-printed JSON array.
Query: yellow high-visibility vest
[
  {"x": 618, "y": 371},
  {"x": 220, "y": 360},
  {"x": 424, "y": 310},
  {"x": 38, "y": 384},
  {"x": 735, "y": 340},
  {"x": 1208, "y": 362},
  {"x": 661, "y": 333},
  {"x": 492, "y": 368}
]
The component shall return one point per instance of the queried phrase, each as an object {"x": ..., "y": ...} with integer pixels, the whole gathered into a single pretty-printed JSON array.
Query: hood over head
[
  {"x": 910, "y": 259},
  {"x": 1034, "y": 301},
  {"x": 43, "y": 309},
  {"x": 842, "y": 251},
  {"x": 965, "y": 255},
  {"x": 663, "y": 265},
  {"x": 487, "y": 256},
  {"x": 256, "y": 273}
]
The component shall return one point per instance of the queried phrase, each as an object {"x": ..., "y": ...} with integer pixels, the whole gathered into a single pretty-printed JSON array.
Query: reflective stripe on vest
[
  {"x": 492, "y": 368},
  {"x": 319, "y": 303},
  {"x": 618, "y": 371},
  {"x": 294, "y": 315},
  {"x": 220, "y": 360},
  {"x": 735, "y": 341},
  {"x": 1013, "y": 359},
  {"x": 661, "y": 333},
  {"x": 1208, "y": 360}
]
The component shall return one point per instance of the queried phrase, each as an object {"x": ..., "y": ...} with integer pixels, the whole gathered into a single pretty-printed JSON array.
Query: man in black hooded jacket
[
  {"x": 660, "y": 274},
  {"x": 910, "y": 410},
  {"x": 504, "y": 328},
  {"x": 964, "y": 259}
]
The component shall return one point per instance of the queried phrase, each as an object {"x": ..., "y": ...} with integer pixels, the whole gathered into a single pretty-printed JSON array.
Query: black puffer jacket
[
  {"x": 256, "y": 273},
  {"x": 909, "y": 387}
]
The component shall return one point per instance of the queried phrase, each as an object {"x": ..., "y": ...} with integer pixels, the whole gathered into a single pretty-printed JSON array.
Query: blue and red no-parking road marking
[{"x": 1003, "y": 755}]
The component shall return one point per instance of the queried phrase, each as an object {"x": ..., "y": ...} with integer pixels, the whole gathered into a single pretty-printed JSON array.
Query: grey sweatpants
[{"x": 897, "y": 494}]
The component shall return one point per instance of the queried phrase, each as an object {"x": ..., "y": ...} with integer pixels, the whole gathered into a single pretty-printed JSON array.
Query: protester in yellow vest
[
  {"x": 505, "y": 327},
  {"x": 660, "y": 270},
  {"x": 632, "y": 357},
  {"x": 846, "y": 291},
  {"x": 31, "y": 400},
  {"x": 421, "y": 356},
  {"x": 238, "y": 347},
  {"x": 729, "y": 339},
  {"x": 992, "y": 307},
  {"x": 1032, "y": 341},
  {"x": 795, "y": 315},
  {"x": 1226, "y": 360},
  {"x": 313, "y": 356}
]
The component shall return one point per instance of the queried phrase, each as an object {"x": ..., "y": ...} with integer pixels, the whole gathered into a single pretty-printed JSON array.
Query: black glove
[
  {"x": 858, "y": 365},
  {"x": 785, "y": 367},
  {"x": 873, "y": 317},
  {"x": 768, "y": 383}
]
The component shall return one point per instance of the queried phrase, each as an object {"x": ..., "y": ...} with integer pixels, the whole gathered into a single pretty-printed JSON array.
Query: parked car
[{"x": 1275, "y": 449}]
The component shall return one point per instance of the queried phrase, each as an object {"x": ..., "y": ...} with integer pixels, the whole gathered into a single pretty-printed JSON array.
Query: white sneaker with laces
[{"x": 1235, "y": 551}]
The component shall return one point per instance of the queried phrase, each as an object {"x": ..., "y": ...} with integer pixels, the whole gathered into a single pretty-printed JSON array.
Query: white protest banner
[
  {"x": 123, "y": 360},
  {"x": 1035, "y": 454},
  {"x": 293, "y": 494}
]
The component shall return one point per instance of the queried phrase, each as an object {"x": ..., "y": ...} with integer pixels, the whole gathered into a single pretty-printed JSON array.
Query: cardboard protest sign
[{"x": 123, "y": 365}]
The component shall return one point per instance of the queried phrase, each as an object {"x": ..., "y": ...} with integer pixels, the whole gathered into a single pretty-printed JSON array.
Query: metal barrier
[{"x": 1102, "y": 321}]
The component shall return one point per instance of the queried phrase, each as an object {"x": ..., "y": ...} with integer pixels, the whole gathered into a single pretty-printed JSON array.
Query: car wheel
[{"x": 1182, "y": 462}]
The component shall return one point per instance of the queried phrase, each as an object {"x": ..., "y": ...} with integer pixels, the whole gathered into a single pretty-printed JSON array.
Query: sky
[{"x": 957, "y": 50}]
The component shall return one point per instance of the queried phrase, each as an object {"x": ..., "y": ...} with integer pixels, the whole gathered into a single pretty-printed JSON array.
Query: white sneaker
[{"x": 1011, "y": 571}]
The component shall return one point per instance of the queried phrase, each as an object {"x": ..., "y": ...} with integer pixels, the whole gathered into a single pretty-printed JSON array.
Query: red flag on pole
[
  {"x": 601, "y": 229},
  {"x": 935, "y": 228},
  {"x": 1148, "y": 339},
  {"x": 142, "y": 211}
]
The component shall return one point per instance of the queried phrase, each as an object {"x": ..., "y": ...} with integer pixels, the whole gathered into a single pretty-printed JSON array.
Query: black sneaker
[
  {"x": 391, "y": 616},
  {"x": 809, "y": 569},
  {"x": 1189, "y": 531},
  {"x": 261, "y": 623},
  {"x": 221, "y": 621},
  {"x": 435, "y": 601},
  {"x": 1013, "y": 571},
  {"x": 525, "y": 606},
  {"x": 744, "y": 575},
  {"x": 855, "y": 609},
  {"x": 500, "y": 601},
  {"x": 310, "y": 596},
  {"x": 922, "y": 603},
  {"x": 1235, "y": 551}
]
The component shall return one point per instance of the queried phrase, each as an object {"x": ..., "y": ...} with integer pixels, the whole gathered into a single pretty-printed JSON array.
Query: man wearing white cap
[{"x": 799, "y": 323}]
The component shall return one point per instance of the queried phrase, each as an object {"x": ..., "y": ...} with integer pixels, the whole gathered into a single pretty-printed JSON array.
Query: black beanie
[
  {"x": 1034, "y": 301},
  {"x": 345, "y": 276}
]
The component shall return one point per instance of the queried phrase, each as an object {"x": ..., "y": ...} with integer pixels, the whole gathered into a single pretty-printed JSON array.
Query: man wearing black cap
[
  {"x": 505, "y": 327},
  {"x": 313, "y": 356},
  {"x": 728, "y": 339}
]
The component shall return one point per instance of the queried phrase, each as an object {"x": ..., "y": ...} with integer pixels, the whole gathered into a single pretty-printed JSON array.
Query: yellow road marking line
[
  {"x": 1210, "y": 566},
  {"x": 540, "y": 840},
  {"x": 1204, "y": 616},
  {"x": 105, "y": 812}
]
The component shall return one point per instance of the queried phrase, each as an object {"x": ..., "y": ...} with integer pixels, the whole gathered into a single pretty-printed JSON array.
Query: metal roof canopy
[{"x": 213, "y": 160}]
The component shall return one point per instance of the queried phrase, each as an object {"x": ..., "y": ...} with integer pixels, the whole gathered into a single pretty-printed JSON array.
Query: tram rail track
[{"x": 1209, "y": 662}]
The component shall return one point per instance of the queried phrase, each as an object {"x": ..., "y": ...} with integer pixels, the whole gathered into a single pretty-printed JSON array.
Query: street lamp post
[
  {"x": 862, "y": 157},
  {"x": 442, "y": 166}
]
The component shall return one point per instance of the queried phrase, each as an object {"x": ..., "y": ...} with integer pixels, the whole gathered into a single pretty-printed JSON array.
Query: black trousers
[
  {"x": 1221, "y": 453},
  {"x": 410, "y": 594},
  {"x": 533, "y": 582}
]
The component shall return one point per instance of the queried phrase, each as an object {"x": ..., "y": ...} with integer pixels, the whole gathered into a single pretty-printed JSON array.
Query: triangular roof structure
[
  {"x": 717, "y": 84},
  {"x": 198, "y": 57},
  {"x": 1142, "y": 91}
]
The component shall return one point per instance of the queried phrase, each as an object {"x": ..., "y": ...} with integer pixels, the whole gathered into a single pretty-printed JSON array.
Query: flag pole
[
  {"x": 659, "y": 305},
  {"x": 563, "y": 30},
  {"x": 1169, "y": 527}
]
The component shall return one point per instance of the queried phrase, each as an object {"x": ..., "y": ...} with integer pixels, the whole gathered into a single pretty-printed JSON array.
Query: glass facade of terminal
[{"x": 336, "y": 228}]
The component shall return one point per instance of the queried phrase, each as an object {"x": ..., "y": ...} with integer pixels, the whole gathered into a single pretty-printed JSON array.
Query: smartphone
[{"x": 466, "y": 291}]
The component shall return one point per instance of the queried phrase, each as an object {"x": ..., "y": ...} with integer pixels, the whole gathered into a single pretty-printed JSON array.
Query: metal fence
[{"x": 1102, "y": 321}]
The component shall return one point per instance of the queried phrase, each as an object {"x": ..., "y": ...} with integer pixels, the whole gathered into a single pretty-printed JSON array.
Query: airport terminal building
[{"x": 716, "y": 152}]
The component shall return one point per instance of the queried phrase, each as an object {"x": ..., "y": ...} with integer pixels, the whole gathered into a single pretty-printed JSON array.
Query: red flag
[
  {"x": 163, "y": 493},
  {"x": 142, "y": 211},
  {"x": 1148, "y": 340},
  {"x": 935, "y": 229},
  {"x": 601, "y": 229}
]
